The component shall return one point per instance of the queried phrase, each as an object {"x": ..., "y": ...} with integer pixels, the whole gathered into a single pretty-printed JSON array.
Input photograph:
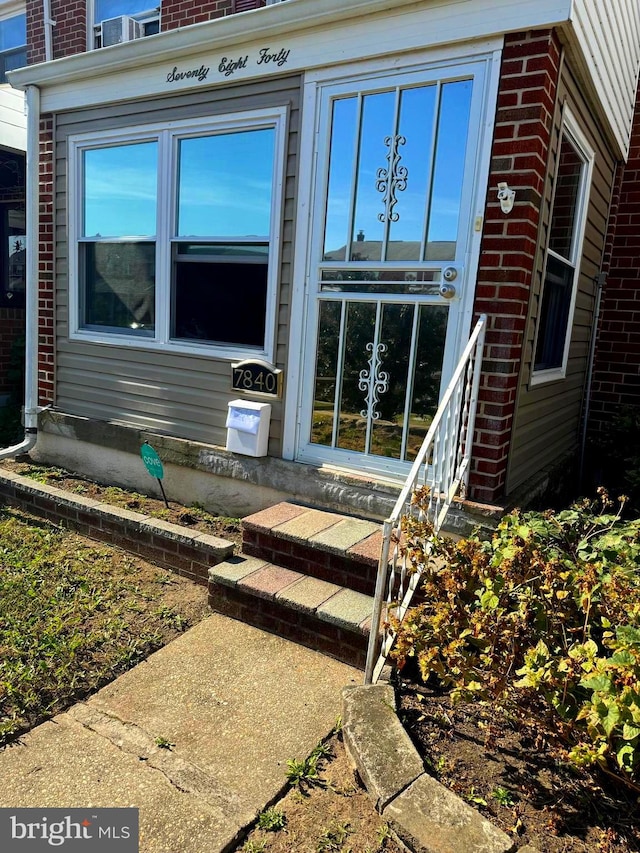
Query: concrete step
[
  {"x": 339, "y": 549},
  {"x": 321, "y": 615}
]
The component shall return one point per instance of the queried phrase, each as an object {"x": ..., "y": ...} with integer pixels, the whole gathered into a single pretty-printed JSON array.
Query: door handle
[{"x": 446, "y": 290}]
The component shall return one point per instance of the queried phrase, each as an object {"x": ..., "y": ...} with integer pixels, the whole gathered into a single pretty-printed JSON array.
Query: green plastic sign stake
[{"x": 153, "y": 464}]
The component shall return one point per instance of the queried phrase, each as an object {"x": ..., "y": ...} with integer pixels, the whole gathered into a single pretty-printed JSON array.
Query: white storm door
[{"x": 396, "y": 159}]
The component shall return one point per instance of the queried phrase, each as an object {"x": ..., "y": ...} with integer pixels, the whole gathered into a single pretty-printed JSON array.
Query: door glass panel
[
  {"x": 432, "y": 330},
  {"x": 417, "y": 108},
  {"x": 360, "y": 331},
  {"x": 395, "y": 336},
  {"x": 424, "y": 282},
  {"x": 343, "y": 147},
  {"x": 326, "y": 382},
  {"x": 377, "y": 124},
  {"x": 451, "y": 145}
]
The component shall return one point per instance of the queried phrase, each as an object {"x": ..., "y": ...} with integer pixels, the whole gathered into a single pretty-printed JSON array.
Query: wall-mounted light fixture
[{"x": 506, "y": 197}]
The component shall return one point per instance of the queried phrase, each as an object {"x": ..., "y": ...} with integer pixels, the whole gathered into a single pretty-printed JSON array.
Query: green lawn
[{"x": 73, "y": 614}]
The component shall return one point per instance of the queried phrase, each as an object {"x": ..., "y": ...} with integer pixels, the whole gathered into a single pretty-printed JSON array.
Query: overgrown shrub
[{"x": 550, "y": 606}]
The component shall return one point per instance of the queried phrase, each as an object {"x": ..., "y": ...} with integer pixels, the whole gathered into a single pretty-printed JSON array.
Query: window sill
[
  {"x": 544, "y": 377},
  {"x": 222, "y": 353}
]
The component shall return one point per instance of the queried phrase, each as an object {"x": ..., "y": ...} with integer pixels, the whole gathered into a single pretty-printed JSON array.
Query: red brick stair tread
[{"x": 325, "y": 601}]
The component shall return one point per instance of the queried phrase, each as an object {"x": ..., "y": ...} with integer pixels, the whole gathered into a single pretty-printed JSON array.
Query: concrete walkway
[{"x": 235, "y": 702}]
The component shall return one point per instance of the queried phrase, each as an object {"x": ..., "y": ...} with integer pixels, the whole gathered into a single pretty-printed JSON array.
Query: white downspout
[
  {"x": 31, "y": 312},
  {"x": 48, "y": 28}
]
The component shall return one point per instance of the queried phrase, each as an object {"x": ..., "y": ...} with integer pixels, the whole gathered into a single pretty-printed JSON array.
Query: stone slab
[
  {"x": 304, "y": 526},
  {"x": 369, "y": 548},
  {"x": 308, "y": 594},
  {"x": 377, "y": 743},
  {"x": 110, "y": 511},
  {"x": 345, "y": 534},
  {"x": 234, "y": 569},
  {"x": 216, "y": 544},
  {"x": 347, "y": 609},
  {"x": 432, "y": 819},
  {"x": 273, "y": 515},
  {"x": 269, "y": 580},
  {"x": 174, "y": 532}
]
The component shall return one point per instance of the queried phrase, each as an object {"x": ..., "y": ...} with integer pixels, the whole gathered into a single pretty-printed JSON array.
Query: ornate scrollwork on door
[
  {"x": 374, "y": 381},
  {"x": 393, "y": 179}
]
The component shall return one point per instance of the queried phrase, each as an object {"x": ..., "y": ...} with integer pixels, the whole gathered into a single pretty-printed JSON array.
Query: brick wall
[
  {"x": 526, "y": 103},
  {"x": 69, "y": 35},
  {"x": 46, "y": 267},
  {"x": 190, "y": 554},
  {"x": 616, "y": 378},
  {"x": 177, "y": 13},
  {"x": 11, "y": 327}
]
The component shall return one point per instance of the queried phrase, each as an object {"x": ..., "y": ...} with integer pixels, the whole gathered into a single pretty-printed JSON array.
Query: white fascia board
[{"x": 449, "y": 21}]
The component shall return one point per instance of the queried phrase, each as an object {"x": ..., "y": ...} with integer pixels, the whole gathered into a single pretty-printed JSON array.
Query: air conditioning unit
[{"x": 120, "y": 29}]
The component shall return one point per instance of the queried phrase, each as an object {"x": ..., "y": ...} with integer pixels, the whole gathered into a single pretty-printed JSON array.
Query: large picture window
[
  {"x": 564, "y": 250},
  {"x": 177, "y": 234}
]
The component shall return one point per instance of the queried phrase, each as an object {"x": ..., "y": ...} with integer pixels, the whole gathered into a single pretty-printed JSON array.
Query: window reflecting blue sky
[
  {"x": 453, "y": 127},
  {"x": 120, "y": 190},
  {"x": 106, "y": 9},
  {"x": 225, "y": 185},
  {"x": 377, "y": 123},
  {"x": 343, "y": 139},
  {"x": 13, "y": 32},
  {"x": 417, "y": 107}
]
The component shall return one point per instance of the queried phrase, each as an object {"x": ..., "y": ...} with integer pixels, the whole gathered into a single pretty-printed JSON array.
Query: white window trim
[
  {"x": 167, "y": 135},
  {"x": 572, "y": 130}
]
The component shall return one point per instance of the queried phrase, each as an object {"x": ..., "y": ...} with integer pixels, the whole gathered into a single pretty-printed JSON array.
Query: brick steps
[
  {"x": 328, "y": 546},
  {"x": 306, "y": 574}
]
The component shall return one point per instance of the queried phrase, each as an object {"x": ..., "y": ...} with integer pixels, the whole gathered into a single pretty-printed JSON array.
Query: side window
[
  {"x": 116, "y": 21},
  {"x": 564, "y": 252},
  {"x": 13, "y": 44}
]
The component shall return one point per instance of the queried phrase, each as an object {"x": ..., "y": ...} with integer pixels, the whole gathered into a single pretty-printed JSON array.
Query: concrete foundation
[{"x": 222, "y": 482}]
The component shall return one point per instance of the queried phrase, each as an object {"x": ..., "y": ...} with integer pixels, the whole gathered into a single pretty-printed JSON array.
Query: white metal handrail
[{"x": 442, "y": 465}]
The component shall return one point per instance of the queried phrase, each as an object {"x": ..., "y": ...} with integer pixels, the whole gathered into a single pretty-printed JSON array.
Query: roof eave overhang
[{"x": 275, "y": 20}]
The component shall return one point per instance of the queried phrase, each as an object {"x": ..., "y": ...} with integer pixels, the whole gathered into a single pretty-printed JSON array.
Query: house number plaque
[{"x": 255, "y": 376}]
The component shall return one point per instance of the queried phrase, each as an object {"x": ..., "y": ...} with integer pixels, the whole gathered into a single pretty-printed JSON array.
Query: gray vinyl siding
[
  {"x": 548, "y": 416},
  {"x": 181, "y": 395}
]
